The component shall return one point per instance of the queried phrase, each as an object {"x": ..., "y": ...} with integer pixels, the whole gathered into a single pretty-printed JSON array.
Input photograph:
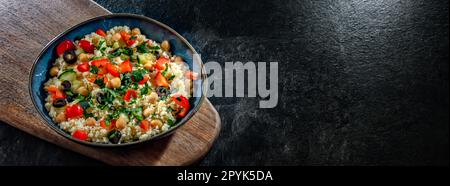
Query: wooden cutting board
[{"x": 29, "y": 25}]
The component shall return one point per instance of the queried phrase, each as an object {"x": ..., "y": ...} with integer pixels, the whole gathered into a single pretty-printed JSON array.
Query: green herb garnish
[
  {"x": 138, "y": 75},
  {"x": 145, "y": 90},
  {"x": 100, "y": 82},
  {"x": 170, "y": 122},
  {"x": 94, "y": 69},
  {"x": 164, "y": 72}
]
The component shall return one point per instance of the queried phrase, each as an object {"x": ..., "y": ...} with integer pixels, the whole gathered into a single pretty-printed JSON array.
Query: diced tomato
[
  {"x": 125, "y": 36},
  {"x": 56, "y": 93},
  {"x": 103, "y": 124},
  {"x": 183, "y": 112},
  {"x": 145, "y": 125},
  {"x": 131, "y": 42},
  {"x": 74, "y": 111},
  {"x": 81, "y": 135},
  {"x": 101, "y": 71},
  {"x": 144, "y": 80},
  {"x": 100, "y": 32},
  {"x": 83, "y": 67},
  {"x": 181, "y": 100},
  {"x": 111, "y": 125},
  {"x": 126, "y": 66},
  {"x": 105, "y": 80},
  {"x": 191, "y": 75},
  {"x": 129, "y": 94},
  {"x": 113, "y": 69},
  {"x": 86, "y": 46},
  {"x": 184, "y": 103},
  {"x": 161, "y": 63},
  {"x": 160, "y": 80},
  {"x": 63, "y": 46},
  {"x": 100, "y": 62},
  {"x": 91, "y": 79}
]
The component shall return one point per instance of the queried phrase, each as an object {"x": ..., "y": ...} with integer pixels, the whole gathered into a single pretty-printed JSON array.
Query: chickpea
[
  {"x": 84, "y": 57},
  {"x": 135, "y": 31},
  {"x": 60, "y": 117},
  {"x": 90, "y": 121},
  {"x": 115, "y": 82},
  {"x": 54, "y": 71},
  {"x": 83, "y": 91},
  {"x": 148, "y": 66},
  {"x": 149, "y": 111},
  {"x": 121, "y": 122},
  {"x": 109, "y": 41},
  {"x": 156, "y": 123},
  {"x": 165, "y": 45},
  {"x": 178, "y": 59},
  {"x": 153, "y": 97},
  {"x": 95, "y": 40},
  {"x": 116, "y": 37}
]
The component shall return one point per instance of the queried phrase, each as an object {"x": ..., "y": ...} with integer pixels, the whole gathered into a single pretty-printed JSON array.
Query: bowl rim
[{"x": 153, "y": 138}]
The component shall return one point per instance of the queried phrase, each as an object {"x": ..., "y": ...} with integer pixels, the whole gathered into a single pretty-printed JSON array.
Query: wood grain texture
[{"x": 26, "y": 27}]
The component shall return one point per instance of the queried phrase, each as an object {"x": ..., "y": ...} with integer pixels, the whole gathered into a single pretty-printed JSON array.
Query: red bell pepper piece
[
  {"x": 126, "y": 66},
  {"x": 160, "y": 63},
  {"x": 125, "y": 36},
  {"x": 83, "y": 67},
  {"x": 145, "y": 125},
  {"x": 81, "y": 135},
  {"x": 112, "y": 124},
  {"x": 63, "y": 46},
  {"x": 86, "y": 46},
  {"x": 100, "y": 32},
  {"x": 144, "y": 80},
  {"x": 131, "y": 42},
  {"x": 160, "y": 80},
  {"x": 100, "y": 62},
  {"x": 55, "y": 92},
  {"x": 74, "y": 111},
  {"x": 113, "y": 69},
  {"x": 129, "y": 94},
  {"x": 184, "y": 103}
]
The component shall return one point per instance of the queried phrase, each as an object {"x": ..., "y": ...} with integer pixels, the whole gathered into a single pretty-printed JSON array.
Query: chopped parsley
[
  {"x": 126, "y": 51},
  {"x": 170, "y": 122},
  {"x": 144, "y": 48},
  {"x": 94, "y": 69},
  {"x": 138, "y": 75},
  {"x": 145, "y": 90},
  {"x": 100, "y": 82}
]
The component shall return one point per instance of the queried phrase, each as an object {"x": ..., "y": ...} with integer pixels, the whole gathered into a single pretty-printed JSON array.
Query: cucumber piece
[
  {"x": 115, "y": 45},
  {"x": 68, "y": 75},
  {"x": 124, "y": 57},
  {"x": 144, "y": 58}
]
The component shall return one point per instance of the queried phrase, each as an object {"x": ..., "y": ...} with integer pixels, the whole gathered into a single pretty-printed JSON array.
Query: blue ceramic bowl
[{"x": 149, "y": 27}]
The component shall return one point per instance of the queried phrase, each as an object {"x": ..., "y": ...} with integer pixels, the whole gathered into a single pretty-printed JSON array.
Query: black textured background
[{"x": 360, "y": 82}]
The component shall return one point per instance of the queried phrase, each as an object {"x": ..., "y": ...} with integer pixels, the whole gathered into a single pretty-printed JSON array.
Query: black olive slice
[
  {"x": 100, "y": 97},
  {"x": 70, "y": 56},
  {"x": 114, "y": 136},
  {"x": 60, "y": 102},
  {"x": 162, "y": 91},
  {"x": 66, "y": 85}
]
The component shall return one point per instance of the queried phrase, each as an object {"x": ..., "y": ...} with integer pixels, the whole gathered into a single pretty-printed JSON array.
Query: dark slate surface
[{"x": 361, "y": 82}]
